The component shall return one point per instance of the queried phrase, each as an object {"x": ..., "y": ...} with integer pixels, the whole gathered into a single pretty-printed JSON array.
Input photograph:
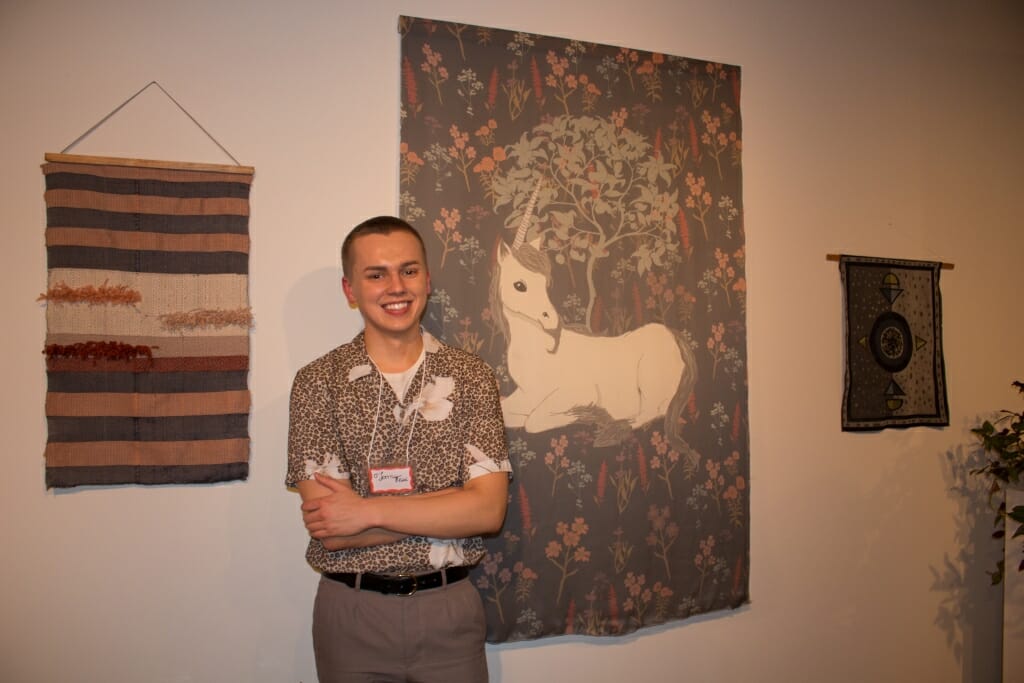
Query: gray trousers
[{"x": 432, "y": 636}]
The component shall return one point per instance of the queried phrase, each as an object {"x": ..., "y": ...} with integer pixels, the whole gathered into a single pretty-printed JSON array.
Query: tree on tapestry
[{"x": 582, "y": 210}]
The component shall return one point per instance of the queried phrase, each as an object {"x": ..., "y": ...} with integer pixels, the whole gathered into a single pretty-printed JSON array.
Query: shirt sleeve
[
  {"x": 314, "y": 443},
  {"x": 486, "y": 446}
]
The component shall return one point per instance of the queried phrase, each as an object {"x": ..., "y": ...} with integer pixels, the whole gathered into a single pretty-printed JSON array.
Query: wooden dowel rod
[
  {"x": 836, "y": 257},
  {"x": 147, "y": 163}
]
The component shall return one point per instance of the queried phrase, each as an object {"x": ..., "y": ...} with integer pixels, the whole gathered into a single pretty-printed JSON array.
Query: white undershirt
[{"x": 400, "y": 381}]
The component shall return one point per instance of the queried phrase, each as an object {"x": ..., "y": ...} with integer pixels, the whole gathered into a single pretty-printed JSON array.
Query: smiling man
[{"x": 396, "y": 444}]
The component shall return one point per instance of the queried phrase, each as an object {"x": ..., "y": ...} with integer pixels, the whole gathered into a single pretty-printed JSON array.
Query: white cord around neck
[
  {"x": 415, "y": 413},
  {"x": 376, "y": 418}
]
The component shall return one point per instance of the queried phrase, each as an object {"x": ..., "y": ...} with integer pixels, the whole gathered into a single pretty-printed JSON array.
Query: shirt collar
[{"x": 365, "y": 368}]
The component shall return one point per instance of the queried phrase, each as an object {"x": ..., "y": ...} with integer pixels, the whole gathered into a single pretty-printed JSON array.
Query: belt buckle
[{"x": 412, "y": 580}]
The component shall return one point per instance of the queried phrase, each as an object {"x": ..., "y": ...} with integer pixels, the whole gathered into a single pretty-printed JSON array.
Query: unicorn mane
[{"x": 531, "y": 258}]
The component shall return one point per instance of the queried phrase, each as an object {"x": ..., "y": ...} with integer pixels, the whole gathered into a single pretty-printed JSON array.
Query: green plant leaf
[
  {"x": 997, "y": 575},
  {"x": 1017, "y": 514},
  {"x": 1003, "y": 443}
]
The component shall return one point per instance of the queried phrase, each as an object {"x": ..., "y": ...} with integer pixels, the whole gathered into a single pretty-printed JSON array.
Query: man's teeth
[{"x": 396, "y": 307}]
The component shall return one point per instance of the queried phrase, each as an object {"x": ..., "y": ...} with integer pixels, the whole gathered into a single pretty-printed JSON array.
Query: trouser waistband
[{"x": 400, "y": 584}]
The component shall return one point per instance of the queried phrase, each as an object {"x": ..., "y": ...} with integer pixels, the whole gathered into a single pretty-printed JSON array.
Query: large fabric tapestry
[
  {"x": 582, "y": 210},
  {"x": 895, "y": 374},
  {"x": 147, "y": 322}
]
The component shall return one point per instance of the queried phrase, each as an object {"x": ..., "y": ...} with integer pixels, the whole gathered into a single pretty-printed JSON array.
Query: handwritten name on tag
[{"x": 391, "y": 479}]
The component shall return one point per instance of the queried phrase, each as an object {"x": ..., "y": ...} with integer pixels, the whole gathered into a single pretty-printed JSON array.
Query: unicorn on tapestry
[{"x": 564, "y": 376}]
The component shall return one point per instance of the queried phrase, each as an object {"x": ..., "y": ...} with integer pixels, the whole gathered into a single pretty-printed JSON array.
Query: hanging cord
[
  {"x": 125, "y": 103},
  {"x": 376, "y": 418}
]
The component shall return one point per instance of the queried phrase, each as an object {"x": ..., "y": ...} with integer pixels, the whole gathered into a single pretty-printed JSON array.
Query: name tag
[{"x": 391, "y": 480}]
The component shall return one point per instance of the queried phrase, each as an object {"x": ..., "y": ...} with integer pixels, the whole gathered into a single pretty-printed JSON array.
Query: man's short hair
[{"x": 378, "y": 225}]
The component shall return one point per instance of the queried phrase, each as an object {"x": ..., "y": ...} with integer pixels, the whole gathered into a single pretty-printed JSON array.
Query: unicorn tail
[{"x": 607, "y": 430}]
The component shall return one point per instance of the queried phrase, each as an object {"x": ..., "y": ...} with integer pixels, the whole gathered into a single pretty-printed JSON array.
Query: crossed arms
[{"x": 340, "y": 518}]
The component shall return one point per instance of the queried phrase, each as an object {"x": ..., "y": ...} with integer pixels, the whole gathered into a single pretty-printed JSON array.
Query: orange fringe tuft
[
  {"x": 62, "y": 293},
  {"x": 240, "y": 317}
]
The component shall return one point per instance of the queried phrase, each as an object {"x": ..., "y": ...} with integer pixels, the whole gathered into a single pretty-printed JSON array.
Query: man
[{"x": 396, "y": 444}]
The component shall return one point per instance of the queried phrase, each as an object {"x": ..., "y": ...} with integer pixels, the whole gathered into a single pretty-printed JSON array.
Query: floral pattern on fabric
[{"x": 582, "y": 210}]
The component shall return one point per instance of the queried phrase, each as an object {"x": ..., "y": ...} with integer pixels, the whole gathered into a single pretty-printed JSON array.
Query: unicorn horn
[{"x": 524, "y": 224}]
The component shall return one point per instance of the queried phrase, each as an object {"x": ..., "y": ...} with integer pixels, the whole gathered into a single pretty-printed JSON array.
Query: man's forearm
[
  {"x": 376, "y": 535},
  {"x": 311, "y": 490},
  {"x": 368, "y": 538},
  {"x": 339, "y": 518},
  {"x": 474, "y": 509}
]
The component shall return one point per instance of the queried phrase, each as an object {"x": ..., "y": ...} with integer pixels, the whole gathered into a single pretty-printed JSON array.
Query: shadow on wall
[
  {"x": 970, "y": 611},
  {"x": 316, "y": 317}
]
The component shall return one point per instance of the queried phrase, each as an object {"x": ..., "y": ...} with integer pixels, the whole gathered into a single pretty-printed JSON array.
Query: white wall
[{"x": 871, "y": 128}]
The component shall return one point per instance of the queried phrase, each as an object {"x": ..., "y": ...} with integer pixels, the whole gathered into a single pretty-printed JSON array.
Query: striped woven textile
[{"x": 147, "y": 321}]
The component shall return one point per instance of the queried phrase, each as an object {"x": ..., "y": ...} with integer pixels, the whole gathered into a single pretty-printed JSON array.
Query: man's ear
[{"x": 347, "y": 289}]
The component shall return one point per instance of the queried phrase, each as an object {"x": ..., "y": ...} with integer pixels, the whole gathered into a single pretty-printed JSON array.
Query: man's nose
[{"x": 395, "y": 283}]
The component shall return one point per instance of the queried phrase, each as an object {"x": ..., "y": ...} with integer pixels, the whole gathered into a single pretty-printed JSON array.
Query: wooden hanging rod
[
  {"x": 147, "y": 163},
  {"x": 836, "y": 257}
]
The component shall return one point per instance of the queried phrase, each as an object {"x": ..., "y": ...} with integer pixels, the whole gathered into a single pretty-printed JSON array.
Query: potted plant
[{"x": 1003, "y": 441}]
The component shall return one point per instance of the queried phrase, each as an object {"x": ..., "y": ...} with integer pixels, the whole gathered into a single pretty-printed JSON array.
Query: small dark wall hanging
[{"x": 895, "y": 374}]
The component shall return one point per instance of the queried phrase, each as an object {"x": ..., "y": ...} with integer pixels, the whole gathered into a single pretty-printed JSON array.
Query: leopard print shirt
[{"x": 450, "y": 427}]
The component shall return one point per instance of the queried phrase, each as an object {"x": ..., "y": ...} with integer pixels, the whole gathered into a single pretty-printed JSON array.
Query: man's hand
[{"x": 340, "y": 513}]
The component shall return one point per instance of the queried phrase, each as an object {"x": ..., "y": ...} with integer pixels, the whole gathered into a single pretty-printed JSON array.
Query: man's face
[{"x": 389, "y": 283}]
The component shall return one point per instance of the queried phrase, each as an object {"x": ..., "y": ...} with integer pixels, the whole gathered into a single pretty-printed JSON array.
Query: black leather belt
[{"x": 400, "y": 584}]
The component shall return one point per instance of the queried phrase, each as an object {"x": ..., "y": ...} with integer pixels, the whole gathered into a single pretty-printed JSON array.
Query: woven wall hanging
[{"x": 147, "y": 321}]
